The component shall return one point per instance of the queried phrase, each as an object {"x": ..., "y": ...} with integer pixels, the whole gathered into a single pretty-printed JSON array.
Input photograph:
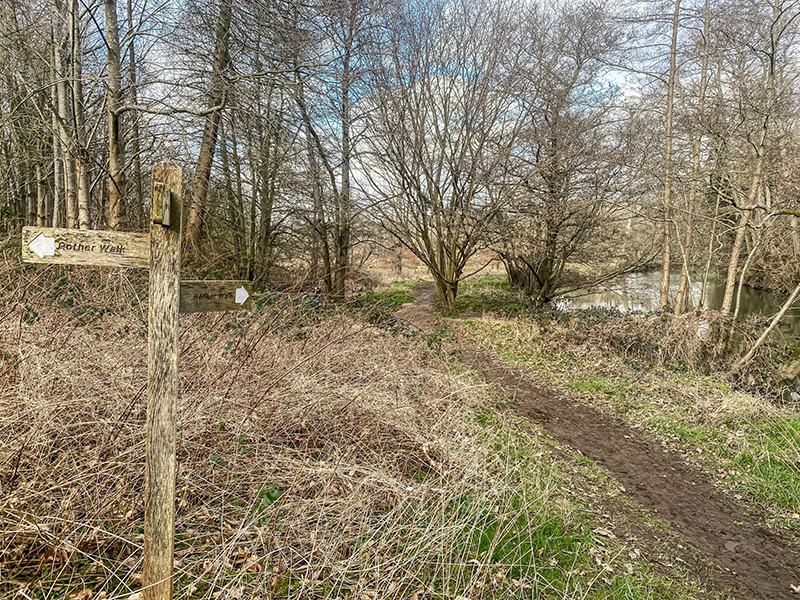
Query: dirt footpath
[{"x": 753, "y": 562}]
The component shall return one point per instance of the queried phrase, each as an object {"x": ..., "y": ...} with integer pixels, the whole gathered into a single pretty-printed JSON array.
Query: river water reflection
[{"x": 640, "y": 292}]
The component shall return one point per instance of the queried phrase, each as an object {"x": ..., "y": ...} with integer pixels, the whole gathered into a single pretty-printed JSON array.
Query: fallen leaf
[
  {"x": 84, "y": 594},
  {"x": 135, "y": 596},
  {"x": 605, "y": 533},
  {"x": 795, "y": 589}
]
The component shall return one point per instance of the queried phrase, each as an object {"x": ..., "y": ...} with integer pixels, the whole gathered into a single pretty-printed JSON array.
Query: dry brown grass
[{"x": 317, "y": 455}]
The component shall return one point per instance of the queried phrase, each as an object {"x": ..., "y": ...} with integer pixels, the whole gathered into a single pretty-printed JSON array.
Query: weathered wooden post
[
  {"x": 162, "y": 382},
  {"x": 160, "y": 251}
]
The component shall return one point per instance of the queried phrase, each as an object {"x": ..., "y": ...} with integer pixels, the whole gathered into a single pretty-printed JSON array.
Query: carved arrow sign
[
  {"x": 209, "y": 296},
  {"x": 43, "y": 246},
  {"x": 85, "y": 247}
]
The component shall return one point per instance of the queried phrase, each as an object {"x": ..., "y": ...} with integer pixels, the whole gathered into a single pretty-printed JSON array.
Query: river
[{"x": 640, "y": 292}]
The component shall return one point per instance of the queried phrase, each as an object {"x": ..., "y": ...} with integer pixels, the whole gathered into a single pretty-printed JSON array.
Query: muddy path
[{"x": 753, "y": 562}]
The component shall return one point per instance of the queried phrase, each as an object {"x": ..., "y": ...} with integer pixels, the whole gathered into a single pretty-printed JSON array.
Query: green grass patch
[
  {"x": 534, "y": 536},
  {"x": 489, "y": 293},
  {"x": 601, "y": 386},
  {"x": 392, "y": 298}
]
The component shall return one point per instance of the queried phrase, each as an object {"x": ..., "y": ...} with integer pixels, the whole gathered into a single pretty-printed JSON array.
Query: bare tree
[
  {"x": 567, "y": 161},
  {"x": 444, "y": 123},
  {"x": 767, "y": 47},
  {"x": 668, "y": 172}
]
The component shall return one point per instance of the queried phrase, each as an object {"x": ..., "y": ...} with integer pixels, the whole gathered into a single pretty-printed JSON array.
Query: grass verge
[{"x": 747, "y": 443}]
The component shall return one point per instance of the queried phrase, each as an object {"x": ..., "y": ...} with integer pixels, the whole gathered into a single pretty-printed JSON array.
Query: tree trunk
[
  {"x": 230, "y": 199},
  {"x": 343, "y": 209},
  {"x": 251, "y": 230},
  {"x": 266, "y": 187},
  {"x": 41, "y": 196},
  {"x": 205, "y": 160},
  {"x": 758, "y": 170},
  {"x": 668, "y": 175},
  {"x": 137, "y": 212},
  {"x": 746, "y": 265},
  {"x": 319, "y": 223},
  {"x": 237, "y": 162},
  {"x": 684, "y": 283},
  {"x": 30, "y": 217},
  {"x": 65, "y": 127},
  {"x": 447, "y": 294},
  {"x": 58, "y": 156},
  {"x": 82, "y": 162},
  {"x": 704, "y": 286},
  {"x": 116, "y": 144}
]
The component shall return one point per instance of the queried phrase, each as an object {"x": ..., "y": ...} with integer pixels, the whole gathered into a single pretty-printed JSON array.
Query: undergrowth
[{"x": 324, "y": 451}]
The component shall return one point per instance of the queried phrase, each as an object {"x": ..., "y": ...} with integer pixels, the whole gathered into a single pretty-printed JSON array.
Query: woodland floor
[{"x": 718, "y": 539}]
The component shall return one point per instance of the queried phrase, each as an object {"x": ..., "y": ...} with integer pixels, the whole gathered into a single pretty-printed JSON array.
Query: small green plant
[
  {"x": 266, "y": 497},
  {"x": 219, "y": 461},
  {"x": 436, "y": 339}
]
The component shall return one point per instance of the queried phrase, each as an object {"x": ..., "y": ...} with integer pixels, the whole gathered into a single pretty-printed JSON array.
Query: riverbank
[
  {"x": 705, "y": 342},
  {"x": 658, "y": 377},
  {"x": 639, "y": 291},
  {"x": 325, "y": 451}
]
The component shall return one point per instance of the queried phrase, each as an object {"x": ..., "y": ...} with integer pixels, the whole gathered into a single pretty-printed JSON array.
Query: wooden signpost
[{"x": 160, "y": 251}]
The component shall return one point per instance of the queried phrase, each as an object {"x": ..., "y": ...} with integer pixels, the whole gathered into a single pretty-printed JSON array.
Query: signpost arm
[{"x": 162, "y": 387}]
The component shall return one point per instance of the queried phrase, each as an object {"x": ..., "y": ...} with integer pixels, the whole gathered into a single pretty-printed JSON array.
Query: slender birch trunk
[
  {"x": 137, "y": 212},
  {"x": 58, "y": 157},
  {"x": 684, "y": 284},
  {"x": 82, "y": 163},
  {"x": 116, "y": 143},
  {"x": 65, "y": 127}
]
